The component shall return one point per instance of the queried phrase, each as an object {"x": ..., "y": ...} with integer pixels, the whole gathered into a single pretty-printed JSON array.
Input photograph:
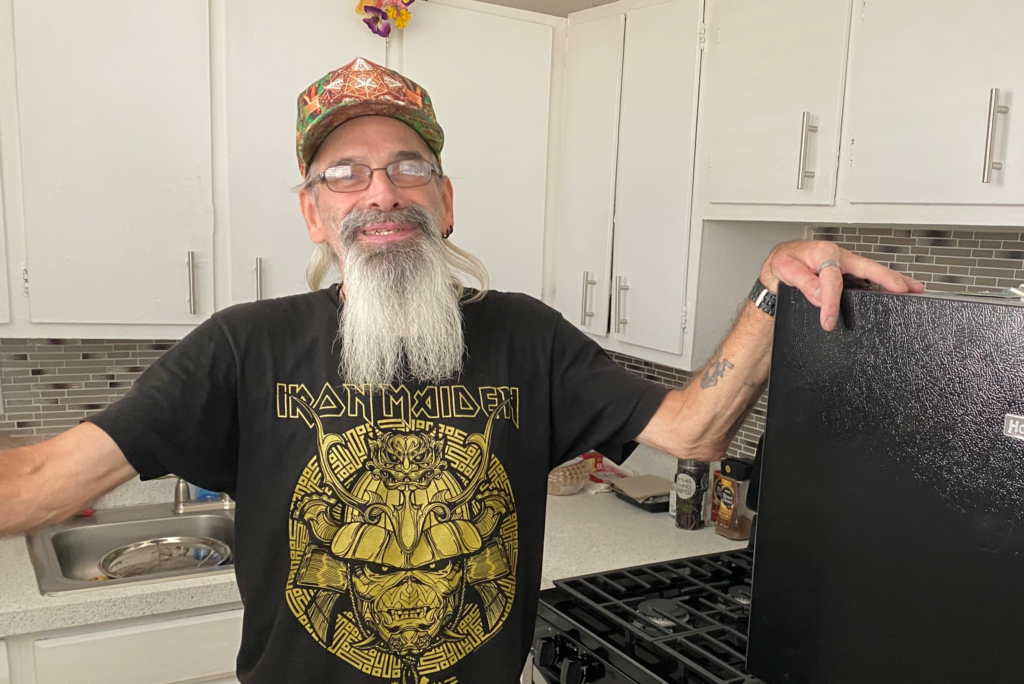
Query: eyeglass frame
[{"x": 321, "y": 177}]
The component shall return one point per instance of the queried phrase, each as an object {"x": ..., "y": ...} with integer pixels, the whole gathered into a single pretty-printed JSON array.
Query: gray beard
[{"x": 401, "y": 317}]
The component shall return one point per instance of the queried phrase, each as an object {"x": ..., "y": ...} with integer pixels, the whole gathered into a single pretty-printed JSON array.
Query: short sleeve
[
  {"x": 181, "y": 416},
  {"x": 595, "y": 403}
]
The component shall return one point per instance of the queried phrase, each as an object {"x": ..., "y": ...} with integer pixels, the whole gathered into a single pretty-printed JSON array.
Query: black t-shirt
[{"x": 381, "y": 536}]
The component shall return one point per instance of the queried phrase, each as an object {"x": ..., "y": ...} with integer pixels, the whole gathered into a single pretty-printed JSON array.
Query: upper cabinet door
[
  {"x": 657, "y": 127},
  {"x": 923, "y": 120},
  {"x": 586, "y": 184},
  {"x": 274, "y": 51},
  {"x": 114, "y": 112},
  {"x": 489, "y": 78},
  {"x": 774, "y": 100},
  {"x": 5, "y": 301}
]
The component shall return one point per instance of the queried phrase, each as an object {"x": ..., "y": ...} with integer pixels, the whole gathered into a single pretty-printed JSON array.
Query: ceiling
[{"x": 559, "y": 8}]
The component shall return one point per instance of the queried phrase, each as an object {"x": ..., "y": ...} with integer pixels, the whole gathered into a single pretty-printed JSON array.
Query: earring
[{"x": 451, "y": 229}]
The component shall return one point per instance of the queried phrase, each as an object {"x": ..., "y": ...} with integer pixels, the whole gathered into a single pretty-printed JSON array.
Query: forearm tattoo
[{"x": 714, "y": 372}]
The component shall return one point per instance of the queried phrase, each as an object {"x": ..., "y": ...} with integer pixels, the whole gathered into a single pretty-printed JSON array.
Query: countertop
[
  {"x": 585, "y": 533},
  {"x": 588, "y": 533}
]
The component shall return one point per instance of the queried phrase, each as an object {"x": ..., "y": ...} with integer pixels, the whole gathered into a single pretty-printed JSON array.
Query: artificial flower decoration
[{"x": 380, "y": 15}]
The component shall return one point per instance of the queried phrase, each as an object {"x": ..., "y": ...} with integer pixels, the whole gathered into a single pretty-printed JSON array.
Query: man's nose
[{"x": 382, "y": 193}]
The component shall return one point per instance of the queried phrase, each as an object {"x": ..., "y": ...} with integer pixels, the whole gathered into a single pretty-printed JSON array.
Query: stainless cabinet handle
[
  {"x": 259, "y": 278},
  {"x": 620, "y": 322},
  {"x": 994, "y": 109},
  {"x": 584, "y": 312},
  {"x": 192, "y": 283},
  {"x": 805, "y": 130}
]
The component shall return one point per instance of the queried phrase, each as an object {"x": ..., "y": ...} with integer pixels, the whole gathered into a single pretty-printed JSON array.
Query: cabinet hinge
[
  {"x": 702, "y": 37},
  {"x": 852, "y": 140},
  {"x": 684, "y": 318},
  {"x": 24, "y": 278}
]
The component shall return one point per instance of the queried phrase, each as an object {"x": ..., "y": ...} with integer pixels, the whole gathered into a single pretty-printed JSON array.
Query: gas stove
[{"x": 679, "y": 622}]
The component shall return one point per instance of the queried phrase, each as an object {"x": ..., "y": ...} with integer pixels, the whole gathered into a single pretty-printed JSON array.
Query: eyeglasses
[{"x": 407, "y": 173}]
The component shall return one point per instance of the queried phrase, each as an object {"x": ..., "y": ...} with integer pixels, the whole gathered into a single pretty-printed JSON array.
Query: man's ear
[
  {"x": 448, "y": 202},
  {"x": 311, "y": 213}
]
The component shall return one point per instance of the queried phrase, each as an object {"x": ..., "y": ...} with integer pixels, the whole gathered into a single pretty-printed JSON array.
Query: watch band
[{"x": 763, "y": 299}]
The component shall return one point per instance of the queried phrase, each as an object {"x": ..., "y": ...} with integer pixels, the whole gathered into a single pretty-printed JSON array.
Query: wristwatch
[{"x": 763, "y": 299}]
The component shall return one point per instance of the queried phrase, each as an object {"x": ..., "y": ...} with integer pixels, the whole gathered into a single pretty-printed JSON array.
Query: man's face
[
  {"x": 401, "y": 317},
  {"x": 375, "y": 141}
]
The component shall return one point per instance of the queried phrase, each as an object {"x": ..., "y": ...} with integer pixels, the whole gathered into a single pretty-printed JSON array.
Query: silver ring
[{"x": 826, "y": 264}]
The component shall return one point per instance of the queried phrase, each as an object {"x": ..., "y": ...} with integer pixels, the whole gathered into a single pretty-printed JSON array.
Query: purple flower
[{"x": 377, "y": 21}]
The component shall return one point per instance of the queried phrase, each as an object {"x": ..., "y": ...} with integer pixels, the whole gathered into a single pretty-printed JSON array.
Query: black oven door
[{"x": 890, "y": 536}]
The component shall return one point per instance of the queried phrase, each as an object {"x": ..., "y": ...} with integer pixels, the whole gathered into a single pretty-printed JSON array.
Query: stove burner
[
  {"x": 663, "y": 612},
  {"x": 740, "y": 593}
]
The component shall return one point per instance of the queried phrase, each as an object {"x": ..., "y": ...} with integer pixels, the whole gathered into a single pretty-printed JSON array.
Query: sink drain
[{"x": 165, "y": 554}]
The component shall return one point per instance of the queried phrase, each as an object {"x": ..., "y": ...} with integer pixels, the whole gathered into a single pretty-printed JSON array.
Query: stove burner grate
[{"x": 691, "y": 611}]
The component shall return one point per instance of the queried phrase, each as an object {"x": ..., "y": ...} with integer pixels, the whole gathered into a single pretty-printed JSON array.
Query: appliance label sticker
[{"x": 1013, "y": 426}]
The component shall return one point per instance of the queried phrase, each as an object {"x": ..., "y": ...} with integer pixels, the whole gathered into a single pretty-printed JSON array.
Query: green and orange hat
[{"x": 362, "y": 88}]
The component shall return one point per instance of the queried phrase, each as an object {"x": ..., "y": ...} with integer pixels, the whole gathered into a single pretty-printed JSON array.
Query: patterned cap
[{"x": 361, "y": 88}]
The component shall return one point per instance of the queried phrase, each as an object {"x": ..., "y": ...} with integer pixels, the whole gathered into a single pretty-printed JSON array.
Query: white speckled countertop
[
  {"x": 585, "y": 533},
  {"x": 598, "y": 532}
]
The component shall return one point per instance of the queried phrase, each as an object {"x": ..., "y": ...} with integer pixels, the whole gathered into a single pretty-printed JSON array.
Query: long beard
[{"x": 401, "y": 317}]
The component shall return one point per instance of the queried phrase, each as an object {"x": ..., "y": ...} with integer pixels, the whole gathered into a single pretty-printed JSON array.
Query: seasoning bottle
[
  {"x": 734, "y": 518},
  {"x": 691, "y": 487}
]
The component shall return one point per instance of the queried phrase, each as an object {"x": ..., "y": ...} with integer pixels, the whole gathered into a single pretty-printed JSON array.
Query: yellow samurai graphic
[{"x": 403, "y": 545}]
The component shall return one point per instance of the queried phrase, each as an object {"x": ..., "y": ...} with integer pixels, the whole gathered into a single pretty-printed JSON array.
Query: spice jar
[
  {"x": 734, "y": 518},
  {"x": 690, "y": 489}
]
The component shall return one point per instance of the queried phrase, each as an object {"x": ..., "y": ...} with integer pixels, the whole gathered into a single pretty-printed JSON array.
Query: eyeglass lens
[{"x": 406, "y": 173}]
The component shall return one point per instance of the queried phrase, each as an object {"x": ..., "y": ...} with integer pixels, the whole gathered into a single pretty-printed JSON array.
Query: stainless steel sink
[{"x": 67, "y": 556}]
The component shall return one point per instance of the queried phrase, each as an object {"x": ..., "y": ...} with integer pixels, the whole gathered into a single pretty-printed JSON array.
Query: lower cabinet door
[
  {"x": 183, "y": 650},
  {"x": 5, "y": 668}
]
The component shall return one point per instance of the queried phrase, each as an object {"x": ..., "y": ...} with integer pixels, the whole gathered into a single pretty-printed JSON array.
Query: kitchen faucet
[{"x": 183, "y": 502}]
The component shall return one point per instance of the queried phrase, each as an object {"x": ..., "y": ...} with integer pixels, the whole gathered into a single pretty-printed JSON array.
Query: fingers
[
  {"x": 797, "y": 264},
  {"x": 877, "y": 273},
  {"x": 795, "y": 272},
  {"x": 831, "y": 283}
]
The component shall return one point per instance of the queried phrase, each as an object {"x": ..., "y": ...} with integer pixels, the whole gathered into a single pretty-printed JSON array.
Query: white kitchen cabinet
[
  {"x": 489, "y": 74},
  {"x": 114, "y": 115},
  {"x": 199, "y": 648},
  {"x": 5, "y": 301},
  {"x": 921, "y": 80},
  {"x": 586, "y": 187},
  {"x": 774, "y": 99},
  {"x": 272, "y": 52},
  {"x": 657, "y": 130}
]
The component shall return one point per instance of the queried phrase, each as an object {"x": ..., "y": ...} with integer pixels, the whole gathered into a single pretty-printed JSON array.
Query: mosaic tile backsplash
[{"x": 50, "y": 385}]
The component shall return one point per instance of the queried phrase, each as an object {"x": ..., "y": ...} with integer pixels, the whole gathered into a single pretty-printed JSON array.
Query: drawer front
[{"x": 160, "y": 653}]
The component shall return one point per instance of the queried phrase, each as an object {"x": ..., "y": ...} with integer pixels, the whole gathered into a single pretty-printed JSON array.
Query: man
[{"x": 387, "y": 441}]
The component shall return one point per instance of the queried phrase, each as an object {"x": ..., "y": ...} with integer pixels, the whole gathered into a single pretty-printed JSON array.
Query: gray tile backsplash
[{"x": 50, "y": 385}]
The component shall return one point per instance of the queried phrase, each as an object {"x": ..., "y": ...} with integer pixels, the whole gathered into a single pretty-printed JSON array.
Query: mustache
[{"x": 358, "y": 219}]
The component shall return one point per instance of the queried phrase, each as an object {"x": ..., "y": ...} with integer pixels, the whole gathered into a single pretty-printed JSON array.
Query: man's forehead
[{"x": 366, "y": 136}]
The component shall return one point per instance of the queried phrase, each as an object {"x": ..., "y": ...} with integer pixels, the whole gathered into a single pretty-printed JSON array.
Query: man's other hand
[{"x": 800, "y": 264}]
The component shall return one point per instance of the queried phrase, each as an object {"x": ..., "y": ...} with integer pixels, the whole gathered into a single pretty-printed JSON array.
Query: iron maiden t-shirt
[{"x": 382, "y": 534}]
